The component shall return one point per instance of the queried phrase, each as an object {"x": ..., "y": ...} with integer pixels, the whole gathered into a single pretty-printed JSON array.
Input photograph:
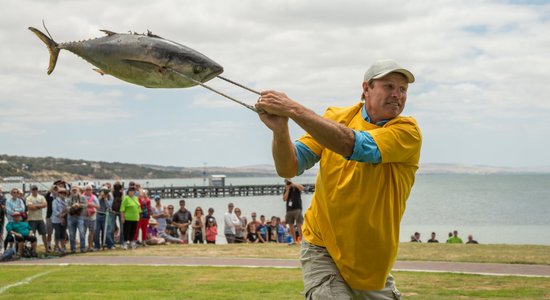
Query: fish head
[
  {"x": 206, "y": 70},
  {"x": 196, "y": 65}
]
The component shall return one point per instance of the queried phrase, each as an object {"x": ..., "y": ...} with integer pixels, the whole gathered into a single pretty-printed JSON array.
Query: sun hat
[
  {"x": 383, "y": 67},
  {"x": 153, "y": 222}
]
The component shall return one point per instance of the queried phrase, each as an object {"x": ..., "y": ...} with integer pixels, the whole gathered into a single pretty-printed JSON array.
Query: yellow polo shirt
[{"x": 357, "y": 207}]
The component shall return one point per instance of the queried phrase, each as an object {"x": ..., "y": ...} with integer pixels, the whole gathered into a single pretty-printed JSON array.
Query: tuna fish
[{"x": 142, "y": 59}]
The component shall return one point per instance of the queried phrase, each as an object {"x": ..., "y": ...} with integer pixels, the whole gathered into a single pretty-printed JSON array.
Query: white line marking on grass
[{"x": 24, "y": 281}]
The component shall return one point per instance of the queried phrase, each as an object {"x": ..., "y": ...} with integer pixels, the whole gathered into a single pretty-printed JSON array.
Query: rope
[{"x": 218, "y": 92}]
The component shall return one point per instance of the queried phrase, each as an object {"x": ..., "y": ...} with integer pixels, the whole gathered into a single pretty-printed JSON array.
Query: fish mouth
[{"x": 215, "y": 72}]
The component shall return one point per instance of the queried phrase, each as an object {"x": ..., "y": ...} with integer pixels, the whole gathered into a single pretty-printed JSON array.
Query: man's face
[
  {"x": 14, "y": 194},
  {"x": 253, "y": 217},
  {"x": 386, "y": 98},
  {"x": 230, "y": 207},
  {"x": 262, "y": 218},
  {"x": 34, "y": 192}
]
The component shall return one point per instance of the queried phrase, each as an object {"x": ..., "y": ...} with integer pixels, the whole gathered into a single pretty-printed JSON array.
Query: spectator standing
[
  {"x": 50, "y": 197},
  {"x": 15, "y": 204},
  {"x": 118, "y": 195},
  {"x": 2, "y": 217},
  {"x": 144, "y": 216},
  {"x": 455, "y": 239},
  {"x": 471, "y": 240},
  {"x": 182, "y": 219},
  {"x": 75, "y": 221},
  {"x": 105, "y": 221},
  {"x": 433, "y": 239},
  {"x": 198, "y": 225},
  {"x": 171, "y": 228},
  {"x": 293, "y": 199},
  {"x": 254, "y": 220},
  {"x": 230, "y": 221},
  {"x": 211, "y": 231},
  {"x": 35, "y": 205},
  {"x": 92, "y": 204},
  {"x": 59, "y": 214},
  {"x": 129, "y": 210},
  {"x": 240, "y": 230}
]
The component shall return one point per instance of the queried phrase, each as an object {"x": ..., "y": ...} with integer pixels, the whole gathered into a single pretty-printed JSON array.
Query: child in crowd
[
  {"x": 252, "y": 235},
  {"x": 281, "y": 230},
  {"x": 152, "y": 234},
  {"x": 211, "y": 231}
]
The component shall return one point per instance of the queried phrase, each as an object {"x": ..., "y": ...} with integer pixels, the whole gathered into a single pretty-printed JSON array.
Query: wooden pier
[{"x": 221, "y": 191}]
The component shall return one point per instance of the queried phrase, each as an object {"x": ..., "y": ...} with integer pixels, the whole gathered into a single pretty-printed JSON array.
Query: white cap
[{"x": 383, "y": 67}]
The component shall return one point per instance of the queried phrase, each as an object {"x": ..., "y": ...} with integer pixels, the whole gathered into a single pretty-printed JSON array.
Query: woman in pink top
[{"x": 144, "y": 215}]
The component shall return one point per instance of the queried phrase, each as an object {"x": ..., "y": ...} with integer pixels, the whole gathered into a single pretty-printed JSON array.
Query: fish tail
[{"x": 52, "y": 48}]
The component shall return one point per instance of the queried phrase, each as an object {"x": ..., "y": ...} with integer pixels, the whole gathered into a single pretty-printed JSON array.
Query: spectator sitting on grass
[
  {"x": 454, "y": 239},
  {"x": 262, "y": 228},
  {"x": 152, "y": 234},
  {"x": 252, "y": 235},
  {"x": 281, "y": 230}
]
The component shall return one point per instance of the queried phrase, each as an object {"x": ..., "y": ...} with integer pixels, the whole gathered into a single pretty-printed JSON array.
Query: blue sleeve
[
  {"x": 365, "y": 149},
  {"x": 305, "y": 157}
]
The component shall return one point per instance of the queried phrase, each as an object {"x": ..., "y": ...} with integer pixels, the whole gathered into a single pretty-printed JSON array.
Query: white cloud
[{"x": 481, "y": 66}]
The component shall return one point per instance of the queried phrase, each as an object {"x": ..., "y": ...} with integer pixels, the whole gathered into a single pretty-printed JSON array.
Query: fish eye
[{"x": 198, "y": 69}]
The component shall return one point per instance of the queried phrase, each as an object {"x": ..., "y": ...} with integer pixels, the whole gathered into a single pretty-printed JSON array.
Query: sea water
[{"x": 494, "y": 208}]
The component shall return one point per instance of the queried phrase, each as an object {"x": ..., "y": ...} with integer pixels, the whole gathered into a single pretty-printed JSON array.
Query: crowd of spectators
[{"x": 113, "y": 216}]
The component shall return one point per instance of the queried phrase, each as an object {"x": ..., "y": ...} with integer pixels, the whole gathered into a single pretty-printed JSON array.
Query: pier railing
[
  {"x": 172, "y": 192},
  {"x": 222, "y": 191}
]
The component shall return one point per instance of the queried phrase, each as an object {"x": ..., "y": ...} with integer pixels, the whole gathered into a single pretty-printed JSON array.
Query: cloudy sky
[{"x": 481, "y": 95}]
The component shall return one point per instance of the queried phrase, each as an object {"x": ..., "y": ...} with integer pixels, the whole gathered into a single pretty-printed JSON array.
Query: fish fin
[
  {"x": 101, "y": 72},
  {"x": 108, "y": 32},
  {"x": 150, "y": 34},
  {"x": 52, "y": 48},
  {"x": 145, "y": 65}
]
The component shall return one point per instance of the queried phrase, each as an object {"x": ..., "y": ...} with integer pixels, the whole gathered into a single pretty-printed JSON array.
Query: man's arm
[{"x": 328, "y": 133}]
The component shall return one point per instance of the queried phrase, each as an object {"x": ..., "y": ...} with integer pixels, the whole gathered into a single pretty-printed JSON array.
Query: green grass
[
  {"x": 516, "y": 254},
  {"x": 507, "y": 254},
  {"x": 154, "y": 282}
]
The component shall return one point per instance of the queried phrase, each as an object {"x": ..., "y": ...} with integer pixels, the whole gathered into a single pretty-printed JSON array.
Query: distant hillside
[{"x": 50, "y": 168}]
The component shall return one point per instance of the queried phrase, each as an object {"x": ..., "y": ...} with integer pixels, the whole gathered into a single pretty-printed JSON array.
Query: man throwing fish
[{"x": 368, "y": 156}]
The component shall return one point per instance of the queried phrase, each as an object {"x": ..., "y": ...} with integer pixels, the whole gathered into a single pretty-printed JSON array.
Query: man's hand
[{"x": 277, "y": 109}]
